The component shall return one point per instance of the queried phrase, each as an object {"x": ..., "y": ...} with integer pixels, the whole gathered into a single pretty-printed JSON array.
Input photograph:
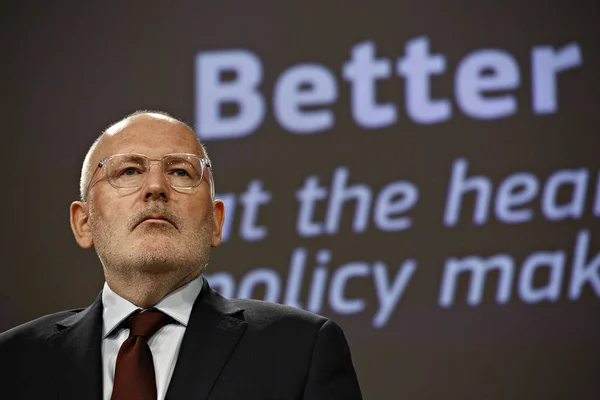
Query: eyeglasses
[{"x": 129, "y": 171}]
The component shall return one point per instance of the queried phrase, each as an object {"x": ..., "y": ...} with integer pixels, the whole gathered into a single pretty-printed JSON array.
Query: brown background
[{"x": 71, "y": 68}]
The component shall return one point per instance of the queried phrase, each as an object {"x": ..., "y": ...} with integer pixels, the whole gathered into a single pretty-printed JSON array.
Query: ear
[
  {"x": 80, "y": 224},
  {"x": 218, "y": 219}
]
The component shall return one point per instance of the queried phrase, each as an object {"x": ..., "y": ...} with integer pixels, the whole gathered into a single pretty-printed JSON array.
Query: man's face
[{"x": 154, "y": 228}]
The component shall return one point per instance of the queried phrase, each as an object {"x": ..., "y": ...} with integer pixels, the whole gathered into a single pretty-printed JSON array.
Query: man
[{"x": 158, "y": 330}]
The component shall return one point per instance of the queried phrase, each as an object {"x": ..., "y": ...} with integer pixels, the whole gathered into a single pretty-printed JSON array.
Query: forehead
[{"x": 151, "y": 135}]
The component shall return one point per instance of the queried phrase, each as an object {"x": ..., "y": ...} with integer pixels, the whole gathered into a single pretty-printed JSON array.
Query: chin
[
  {"x": 156, "y": 248},
  {"x": 157, "y": 244},
  {"x": 158, "y": 262}
]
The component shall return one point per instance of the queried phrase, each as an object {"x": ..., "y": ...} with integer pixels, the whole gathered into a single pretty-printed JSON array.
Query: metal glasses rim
[{"x": 103, "y": 160}]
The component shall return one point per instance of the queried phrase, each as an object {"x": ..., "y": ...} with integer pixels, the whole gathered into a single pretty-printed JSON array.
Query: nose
[{"x": 156, "y": 186}]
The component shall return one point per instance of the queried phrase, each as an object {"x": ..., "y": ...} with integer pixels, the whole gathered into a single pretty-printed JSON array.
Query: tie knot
[{"x": 147, "y": 323}]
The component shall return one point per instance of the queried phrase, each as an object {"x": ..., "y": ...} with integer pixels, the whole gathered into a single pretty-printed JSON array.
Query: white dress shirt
[{"x": 164, "y": 344}]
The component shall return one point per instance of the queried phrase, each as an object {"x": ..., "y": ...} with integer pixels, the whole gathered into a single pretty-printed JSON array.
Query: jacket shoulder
[
  {"x": 264, "y": 313},
  {"x": 39, "y": 328}
]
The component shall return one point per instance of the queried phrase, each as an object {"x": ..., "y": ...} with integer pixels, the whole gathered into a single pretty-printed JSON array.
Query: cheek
[
  {"x": 107, "y": 212},
  {"x": 197, "y": 215}
]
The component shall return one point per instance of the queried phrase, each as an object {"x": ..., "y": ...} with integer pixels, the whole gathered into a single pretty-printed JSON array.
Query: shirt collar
[{"x": 177, "y": 305}]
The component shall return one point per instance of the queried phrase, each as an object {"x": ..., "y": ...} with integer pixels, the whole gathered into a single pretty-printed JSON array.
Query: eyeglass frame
[{"x": 204, "y": 161}]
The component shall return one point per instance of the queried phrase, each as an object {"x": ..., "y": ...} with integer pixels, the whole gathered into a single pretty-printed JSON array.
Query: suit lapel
[
  {"x": 212, "y": 334},
  {"x": 75, "y": 352}
]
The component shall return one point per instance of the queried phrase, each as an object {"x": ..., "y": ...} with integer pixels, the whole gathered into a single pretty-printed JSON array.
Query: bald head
[{"x": 124, "y": 133}]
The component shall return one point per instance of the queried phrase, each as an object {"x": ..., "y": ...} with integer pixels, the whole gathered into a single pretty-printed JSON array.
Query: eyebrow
[{"x": 131, "y": 156}]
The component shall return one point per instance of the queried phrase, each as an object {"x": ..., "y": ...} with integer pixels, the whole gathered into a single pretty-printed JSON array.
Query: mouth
[{"x": 155, "y": 220}]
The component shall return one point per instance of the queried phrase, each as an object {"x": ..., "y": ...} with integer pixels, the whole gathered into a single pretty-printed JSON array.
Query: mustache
[{"x": 161, "y": 212}]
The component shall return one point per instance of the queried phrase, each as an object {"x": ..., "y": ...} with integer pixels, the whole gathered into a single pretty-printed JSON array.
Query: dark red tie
[{"x": 134, "y": 374}]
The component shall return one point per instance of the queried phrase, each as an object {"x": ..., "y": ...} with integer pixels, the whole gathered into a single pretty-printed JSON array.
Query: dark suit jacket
[{"x": 232, "y": 349}]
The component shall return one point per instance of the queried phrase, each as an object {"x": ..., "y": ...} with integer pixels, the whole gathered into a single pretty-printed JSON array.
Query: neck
[{"x": 145, "y": 290}]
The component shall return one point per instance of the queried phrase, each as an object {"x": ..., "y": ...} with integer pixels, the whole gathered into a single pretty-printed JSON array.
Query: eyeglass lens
[{"x": 130, "y": 170}]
